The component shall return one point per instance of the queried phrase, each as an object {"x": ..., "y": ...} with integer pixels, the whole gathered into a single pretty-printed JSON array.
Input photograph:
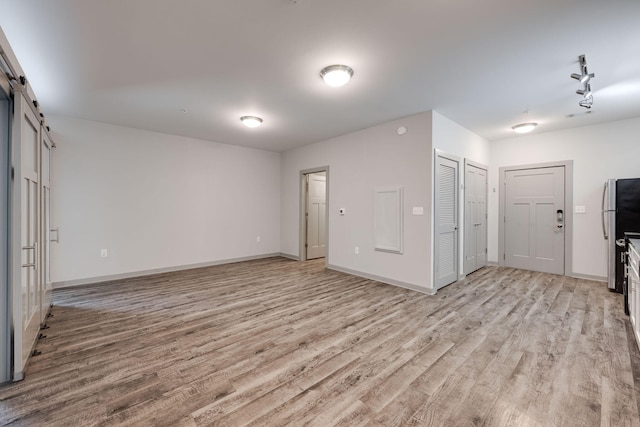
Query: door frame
[
  {"x": 485, "y": 168},
  {"x": 303, "y": 209},
  {"x": 568, "y": 209}
]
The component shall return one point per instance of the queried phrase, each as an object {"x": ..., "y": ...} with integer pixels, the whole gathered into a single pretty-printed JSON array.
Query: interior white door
[
  {"x": 5, "y": 118},
  {"x": 316, "y": 214},
  {"x": 475, "y": 215},
  {"x": 26, "y": 285},
  {"x": 45, "y": 222},
  {"x": 534, "y": 219},
  {"x": 446, "y": 221}
]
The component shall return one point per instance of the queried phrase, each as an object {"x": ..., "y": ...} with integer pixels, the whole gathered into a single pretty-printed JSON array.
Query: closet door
[
  {"x": 475, "y": 216},
  {"x": 26, "y": 283},
  {"x": 446, "y": 219}
]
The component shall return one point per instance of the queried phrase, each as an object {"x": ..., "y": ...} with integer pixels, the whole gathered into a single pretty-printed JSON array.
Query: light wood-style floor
[{"x": 278, "y": 342}]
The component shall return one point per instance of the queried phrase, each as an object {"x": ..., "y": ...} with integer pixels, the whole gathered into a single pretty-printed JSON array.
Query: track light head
[
  {"x": 582, "y": 78},
  {"x": 586, "y": 103},
  {"x": 586, "y": 93}
]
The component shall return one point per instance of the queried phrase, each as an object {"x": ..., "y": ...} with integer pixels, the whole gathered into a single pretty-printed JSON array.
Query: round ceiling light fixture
[
  {"x": 524, "y": 127},
  {"x": 251, "y": 121},
  {"x": 336, "y": 75}
]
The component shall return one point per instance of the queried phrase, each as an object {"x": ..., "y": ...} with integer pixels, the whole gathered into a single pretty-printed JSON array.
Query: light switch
[
  {"x": 581, "y": 209},
  {"x": 418, "y": 210}
]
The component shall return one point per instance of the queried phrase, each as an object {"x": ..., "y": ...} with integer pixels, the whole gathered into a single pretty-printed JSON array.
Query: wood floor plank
[{"x": 277, "y": 342}]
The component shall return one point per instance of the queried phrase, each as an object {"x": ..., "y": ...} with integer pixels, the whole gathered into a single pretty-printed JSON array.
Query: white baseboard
[
  {"x": 108, "y": 278},
  {"x": 588, "y": 277},
  {"x": 289, "y": 256},
  {"x": 383, "y": 279}
]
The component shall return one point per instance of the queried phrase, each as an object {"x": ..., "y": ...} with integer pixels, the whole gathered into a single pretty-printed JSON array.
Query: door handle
[
  {"x": 57, "y": 231},
  {"x": 559, "y": 225},
  {"x": 33, "y": 248}
]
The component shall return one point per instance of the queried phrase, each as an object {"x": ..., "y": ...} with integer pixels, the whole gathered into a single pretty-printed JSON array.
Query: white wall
[
  {"x": 360, "y": 162},
  {"x": 454, "y": 139},
  {"x": 610, "y": 150},
  {"x": 156, "y": 201}
]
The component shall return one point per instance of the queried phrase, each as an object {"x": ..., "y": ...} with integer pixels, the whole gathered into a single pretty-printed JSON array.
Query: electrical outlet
[
  {"x": 258, "y": 239},
  {"x": 104, "y": 253},
  {"x": 581, "y": 209},
  {"x": 356, "y": 250}
]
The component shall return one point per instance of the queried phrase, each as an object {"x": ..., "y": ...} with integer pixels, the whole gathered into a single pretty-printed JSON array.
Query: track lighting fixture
[{"x": 585, "y": 79}]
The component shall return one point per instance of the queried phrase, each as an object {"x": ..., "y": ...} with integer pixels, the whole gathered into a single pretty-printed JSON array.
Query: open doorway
[{"x": 314, "y": 230}]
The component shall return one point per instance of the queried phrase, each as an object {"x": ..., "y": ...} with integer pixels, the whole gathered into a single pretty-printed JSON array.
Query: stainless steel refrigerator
[{"x": 620, "y": 214}]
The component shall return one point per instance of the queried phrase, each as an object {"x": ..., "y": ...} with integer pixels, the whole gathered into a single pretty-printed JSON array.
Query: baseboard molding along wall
[
  {"x": 382, "y": 279},
  {"x": 109, "y": 278}
]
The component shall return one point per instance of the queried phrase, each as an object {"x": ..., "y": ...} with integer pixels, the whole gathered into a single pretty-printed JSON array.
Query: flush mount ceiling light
[
  {"x": 251, "y": 121},
  {"x": 585, "y": 79},
  {"x": 336, "y": 75},
  {"x": 524, "y": 127}
]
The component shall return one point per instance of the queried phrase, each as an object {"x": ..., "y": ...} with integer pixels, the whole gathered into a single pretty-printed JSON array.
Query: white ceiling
[{"x": 137, "y": 63}]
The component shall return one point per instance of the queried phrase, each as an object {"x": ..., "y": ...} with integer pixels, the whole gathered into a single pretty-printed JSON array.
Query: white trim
[
  {"x": 99, "y": 279},
  {"x": 289, "y": 256},
  {"x": 384, "y": 280},
  {"x": 589, "y": 277}
]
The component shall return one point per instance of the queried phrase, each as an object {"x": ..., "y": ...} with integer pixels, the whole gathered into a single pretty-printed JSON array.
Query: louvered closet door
[{"x": 446, "y": 221}]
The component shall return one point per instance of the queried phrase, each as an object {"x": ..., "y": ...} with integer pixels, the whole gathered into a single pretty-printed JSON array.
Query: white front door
[
  {"x": 316, "y": 214},
  {"x": 475, "y": 218},
  {"x": 534, "y": 219},
  {"x": 446, "y": 220}
]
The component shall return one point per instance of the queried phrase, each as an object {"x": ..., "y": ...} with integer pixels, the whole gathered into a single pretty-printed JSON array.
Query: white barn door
[
  {"x": 46, "y": 286},
  {"x": 26, "y": 282}
]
